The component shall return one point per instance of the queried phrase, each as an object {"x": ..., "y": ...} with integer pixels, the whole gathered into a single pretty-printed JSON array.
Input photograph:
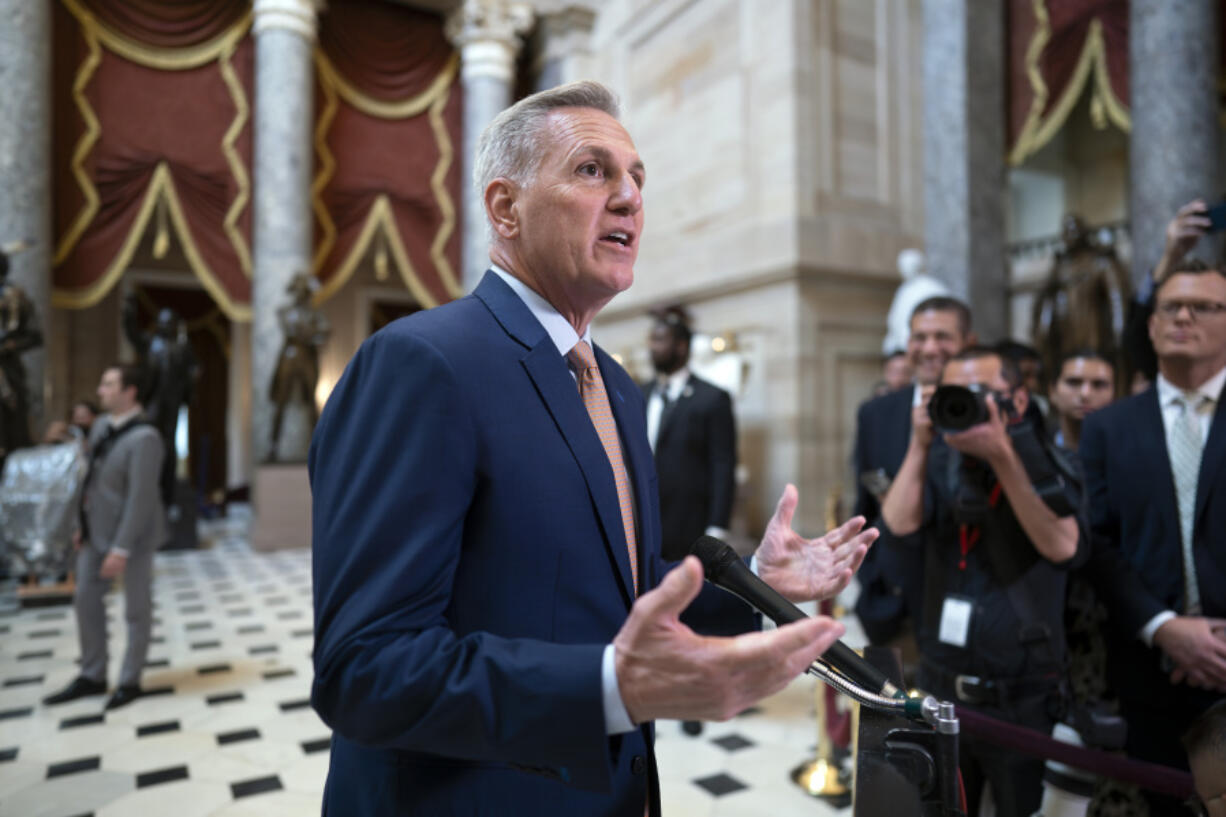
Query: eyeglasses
[{"x": 1197, "y": 309}]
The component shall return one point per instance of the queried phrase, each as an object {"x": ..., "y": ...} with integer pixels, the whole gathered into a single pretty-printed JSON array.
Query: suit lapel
[
  {"x": 556, "y": 386},
  {"x": 1211, "y": 459},
  {"x": 671, "y": 409}
]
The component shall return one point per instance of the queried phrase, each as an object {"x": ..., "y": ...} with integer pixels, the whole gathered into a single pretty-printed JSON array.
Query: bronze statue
[
  {"x": 19, "y": 333},
  {"x": 170, "y": 371},
  {"x": 305, "y": 330},
  {"x": 1084, "y": 302}
]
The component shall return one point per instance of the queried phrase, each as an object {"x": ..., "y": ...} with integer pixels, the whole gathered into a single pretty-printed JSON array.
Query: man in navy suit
[
  {"x": 891, "y": 586},
  {"x": 494, "y": 630},
  {"x": 1155, "y": 470}
]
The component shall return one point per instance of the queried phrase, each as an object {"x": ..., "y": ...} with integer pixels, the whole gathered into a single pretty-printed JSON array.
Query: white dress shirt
[
  {"x": 673, "y": 385},
  {"x": 564, "y": 337},
  {"x": 1168, "y": 400}
]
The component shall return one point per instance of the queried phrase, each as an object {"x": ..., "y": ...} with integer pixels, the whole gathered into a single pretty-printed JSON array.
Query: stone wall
[{"x": 782, "y": 141}]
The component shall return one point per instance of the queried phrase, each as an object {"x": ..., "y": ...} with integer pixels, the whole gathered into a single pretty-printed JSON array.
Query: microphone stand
[{"x": 927, "y": 757}]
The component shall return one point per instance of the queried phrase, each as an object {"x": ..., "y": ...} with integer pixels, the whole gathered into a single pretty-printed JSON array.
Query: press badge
[{"x": 955, "y": 621}]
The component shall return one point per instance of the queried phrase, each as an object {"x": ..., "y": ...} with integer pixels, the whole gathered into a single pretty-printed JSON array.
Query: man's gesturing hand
[
  {"x": 666, "y": 670},
  {"x": 803, "y": 569}
]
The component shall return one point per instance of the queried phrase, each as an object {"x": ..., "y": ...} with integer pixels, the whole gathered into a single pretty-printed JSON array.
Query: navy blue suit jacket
[
  {"x": 470, "y": 567},
  {"x": 1137, "y": 561}
]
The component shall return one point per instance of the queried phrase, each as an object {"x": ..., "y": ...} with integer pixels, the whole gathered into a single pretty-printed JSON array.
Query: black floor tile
[
  {"x": 56, "y": 615},
  {"x": 289, "y": 706},
  {"x": 223, "y": 698},
  {"x": 259, "y": 785},
  {"x": 187, "y": 595},
  {"x": 732, "y": 742},
  {"x": 239, "y": 611},
  {"x": 237, "y": 736},
  {"x": 82, "y": 720},
  {"x": 286, "y": 615},
  {"x": 157, "y": 639},
  {"x": 46, "y": 633},
  {"x": 720, "y": 784},
  {"x": 303, "y": 633},
  {"x": 9, "y": 754},
  {"x": 263, "y": 649},
  {"x": 285, "y": 672},
  {"x": 84, "y": 764},
  {"x": 157, "y": 662},
  {"x": 189, "y": 609},
  {"x": 149, "y": 692},
  {"x": 247, "y": 629},
  {"x": 214, "y": 668},
  {"x": 199, "y": 625},
  {"x": 313, "y": 746},
  {"x": 167, "y": 775},
  {"x": 22, "y": 712},
  {"x": 753, "y": 710},
  {"x": 157, "y": 728},
  {"x": 273, "y": 601},
  {"x": 30, "y": 656},
  {"x": 206, "y": 645},
  {"x": 25, "y": 680},
  {"x": 230, "y": 598}
]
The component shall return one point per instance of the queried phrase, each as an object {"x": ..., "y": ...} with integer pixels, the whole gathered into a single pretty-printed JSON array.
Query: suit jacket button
[{"x": 638, "y": 765}]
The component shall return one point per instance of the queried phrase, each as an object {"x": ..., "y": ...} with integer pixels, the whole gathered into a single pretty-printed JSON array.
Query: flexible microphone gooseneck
[{"x": 725, "y": 569}]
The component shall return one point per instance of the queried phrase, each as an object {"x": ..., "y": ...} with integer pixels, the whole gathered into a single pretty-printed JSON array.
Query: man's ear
[{"x": 500, "y": 207}]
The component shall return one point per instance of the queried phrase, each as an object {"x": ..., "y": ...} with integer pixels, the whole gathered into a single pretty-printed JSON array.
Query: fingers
[
  {"x": 786, "y": 506},
  {"x": 680, "y": 587},
  {"x": 844, "y": 533}
]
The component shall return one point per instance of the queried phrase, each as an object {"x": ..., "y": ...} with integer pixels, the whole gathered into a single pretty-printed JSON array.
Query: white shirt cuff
[
  {"x": 716, "y": 531},
  {"x": 616, "y": 718},
  {"x": 1147, "y": 632},
  {"x": 753, "y": 565},
  {"x": 119, "y": 552}
]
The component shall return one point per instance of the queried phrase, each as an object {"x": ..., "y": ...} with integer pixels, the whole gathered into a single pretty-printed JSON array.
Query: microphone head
[{"x": 714, "y": 555}]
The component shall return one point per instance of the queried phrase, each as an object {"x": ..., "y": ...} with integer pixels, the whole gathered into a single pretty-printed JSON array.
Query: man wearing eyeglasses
[{"x": 1156, "y": 478}]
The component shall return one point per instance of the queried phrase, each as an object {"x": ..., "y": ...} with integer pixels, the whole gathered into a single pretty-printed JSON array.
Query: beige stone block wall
[{"x": 782, "y": 145}]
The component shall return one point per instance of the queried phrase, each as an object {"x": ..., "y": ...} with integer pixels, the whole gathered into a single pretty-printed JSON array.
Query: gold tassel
[
  {"x": 161, "y": 241},
  {"x": 1098, "y": 111},
  {"x": 381, "y": 258}
]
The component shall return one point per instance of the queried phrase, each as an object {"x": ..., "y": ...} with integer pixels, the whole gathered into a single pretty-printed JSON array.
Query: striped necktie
[
  {"x": 596, "y": 400},
  {"x": 1187, "y": 444}
]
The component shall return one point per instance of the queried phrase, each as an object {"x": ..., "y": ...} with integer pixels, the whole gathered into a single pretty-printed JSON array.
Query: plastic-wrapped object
[{"x": 39, "y": 493}]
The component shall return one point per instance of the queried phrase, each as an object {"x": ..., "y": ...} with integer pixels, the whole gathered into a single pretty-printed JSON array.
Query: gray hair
[{"x": 509, "y": 145}]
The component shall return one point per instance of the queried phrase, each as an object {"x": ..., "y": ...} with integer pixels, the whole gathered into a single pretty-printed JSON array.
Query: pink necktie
[{"x": 596, "y": 399}]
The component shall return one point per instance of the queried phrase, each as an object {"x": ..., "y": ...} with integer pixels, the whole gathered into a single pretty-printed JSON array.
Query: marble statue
[{"x": 917, "y": 286}]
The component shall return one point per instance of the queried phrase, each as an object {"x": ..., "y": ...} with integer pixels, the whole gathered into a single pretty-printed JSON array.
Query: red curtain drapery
[
  {"x": 1056, "y": 49},
  {"x": 152, "y": 111},
  {"x": 388, "y": 134}
]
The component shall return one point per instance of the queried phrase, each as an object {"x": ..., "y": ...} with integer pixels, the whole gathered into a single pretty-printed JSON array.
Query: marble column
[
  {"x": 1173, "y": 76},
  {"x": 487, "y": 33},
  {"x": 25, "y": 171},
  {"x": 565, "y": 52},
  {"x": 964, "y": 149},
  {"x": 283, "y": 161}
]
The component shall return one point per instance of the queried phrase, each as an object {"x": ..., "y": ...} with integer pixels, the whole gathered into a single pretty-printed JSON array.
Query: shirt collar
[
  {"x": 1211, "y": 388},
  {"x": 120, "y": 420},
  {"x": 673, "y": 382},
  {"x": 560, "y": 331}
]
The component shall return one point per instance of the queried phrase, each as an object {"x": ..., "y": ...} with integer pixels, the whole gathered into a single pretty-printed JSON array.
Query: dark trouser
[{"x": 1016, "y": 779}]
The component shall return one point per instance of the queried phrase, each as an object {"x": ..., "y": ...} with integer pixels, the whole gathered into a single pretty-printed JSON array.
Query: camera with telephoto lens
[{"x": 957, "y": 408}]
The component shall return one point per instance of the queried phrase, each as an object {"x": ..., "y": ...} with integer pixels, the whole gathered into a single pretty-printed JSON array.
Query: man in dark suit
[
  {"x": 122, "y": 525},
  {"x": 494, "y": 630},
  {"x": 890, "y": 580},
  {"x": 1156, "y": 477},
  {"x": 693, "y": 436}
]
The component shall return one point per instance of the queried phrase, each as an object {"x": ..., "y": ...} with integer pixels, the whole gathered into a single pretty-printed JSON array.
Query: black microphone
[{"x": 725, "y": 569}]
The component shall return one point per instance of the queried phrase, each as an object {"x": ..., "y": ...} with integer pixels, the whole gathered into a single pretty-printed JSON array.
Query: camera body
[{"x": 957, "y": 408}]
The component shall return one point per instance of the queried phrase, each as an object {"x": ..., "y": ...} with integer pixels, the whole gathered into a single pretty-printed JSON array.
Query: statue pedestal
[{"x": 282, "y": 507}]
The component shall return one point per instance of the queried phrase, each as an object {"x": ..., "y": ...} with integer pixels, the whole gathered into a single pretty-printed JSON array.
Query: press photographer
[{"x": 997, "y": 515}]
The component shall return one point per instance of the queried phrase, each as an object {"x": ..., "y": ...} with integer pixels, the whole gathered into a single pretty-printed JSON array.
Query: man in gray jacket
[{"x": 122, "y": 523}]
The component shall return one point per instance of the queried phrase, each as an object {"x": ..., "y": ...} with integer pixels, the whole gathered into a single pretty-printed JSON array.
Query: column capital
[
  {"x": 488, "y": 34},
  {"x": 298, "y": 16}
]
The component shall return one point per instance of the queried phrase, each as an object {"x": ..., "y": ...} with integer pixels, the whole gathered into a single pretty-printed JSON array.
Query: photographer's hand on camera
[
  {"x": 987, "y": 441},
  {"x": 902, "y": 508},
  {"x": 1197, "y": 646},
  {"x": 1182, "y": 233}
]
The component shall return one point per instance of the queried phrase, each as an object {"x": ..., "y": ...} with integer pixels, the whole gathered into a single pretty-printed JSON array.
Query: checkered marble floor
[{"x": 226, "y": 730}]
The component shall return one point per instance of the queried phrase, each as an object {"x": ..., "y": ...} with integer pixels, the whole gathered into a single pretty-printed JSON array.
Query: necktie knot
[{"x": 582, "y": 357}]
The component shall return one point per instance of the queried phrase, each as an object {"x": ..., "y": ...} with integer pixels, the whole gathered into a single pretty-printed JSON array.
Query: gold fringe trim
[
  {"x": 220, "y": 48},
  {"x": 405, "y": 108},
  {"x": 378, "y": 220},
  {"x": 1038, "y": 131},
  {"x": 164, "y": 59},
  {"x": 433, "y": 100},
  {"x": 161, "y": 187}
]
